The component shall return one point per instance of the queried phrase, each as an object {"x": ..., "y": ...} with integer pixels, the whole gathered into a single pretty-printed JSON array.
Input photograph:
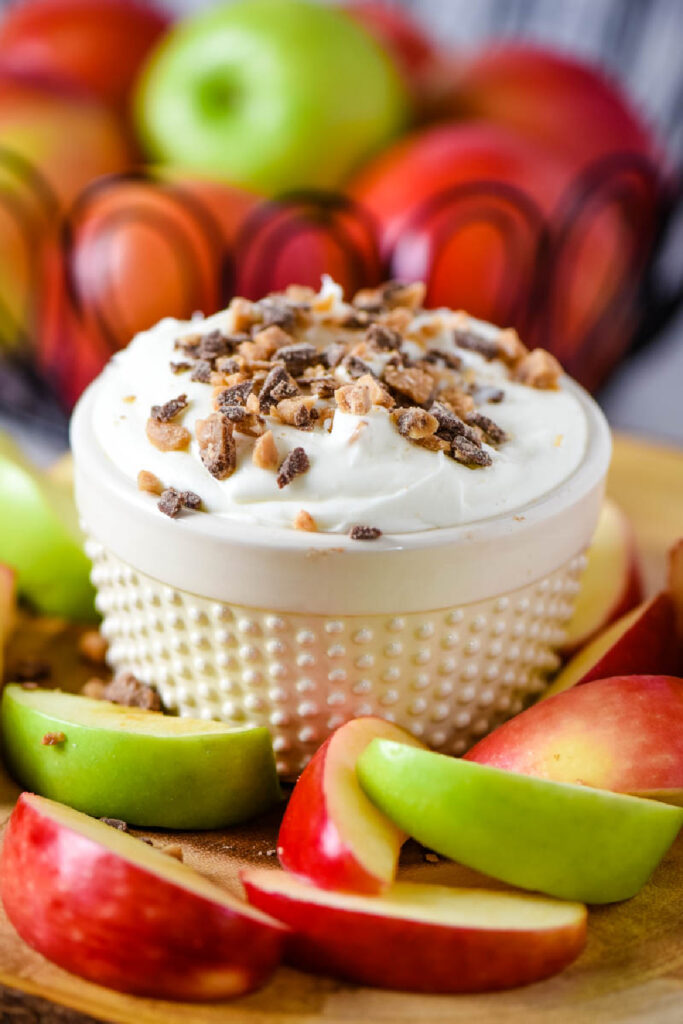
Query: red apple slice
[
  {"x": 610, "y": 585},
  {"x": 331, "y": 834},
  {"x": 111, "y": 909},
  {"x": 422, "y": 938},
  {"x": 642, "y": 642},
  {"x": 623, "y": 734}
]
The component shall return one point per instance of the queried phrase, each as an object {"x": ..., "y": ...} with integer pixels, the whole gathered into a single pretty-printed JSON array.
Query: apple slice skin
[
  {"x": 202, "y": 781},
  {"x": 624, "y": 734},
  {"x": 573, "y": 842},
  {"x": 368, "y": 948},
  {"x": 104, "y": 918},
  {"x": 312, "y": 842}
]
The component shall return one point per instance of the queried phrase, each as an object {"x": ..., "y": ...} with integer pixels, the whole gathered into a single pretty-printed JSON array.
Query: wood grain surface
[{"x": 631, "y": 969}]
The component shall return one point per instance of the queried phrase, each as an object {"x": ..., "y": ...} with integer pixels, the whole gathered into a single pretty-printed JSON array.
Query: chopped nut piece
[
  {"x": 466, "y": 451},
  {"x": 170, "y": 503},
  {"x": 167, "y": 437},
  {"x": 354, "y": 399},
  {"x": 93, "y": 647},
  {"x": 149, "y": 483},
  {"x": 53, "y": 739},
  {"x": 364, "y": 533},
  {"x": 169, "y": 410},
  {"x": 510, "y": 348},
  {"x": 271, "y": 339},
  {"x": 486, "y": 347},
  {"x": 265, "y": 454},
  {"x": 116, "y": 823},
  {"x": 493, "y": 434},
  {"x": 125, "y": 689},
  {"x": 296, "y": 411},
  {"x": 294, "y": 465},
  {"x": 277, "y": 385},
  {"x": 303, "y": 520},
  {"x": 94, "y": 688},
  {"x": 415, "y": 423},
  {"x": 456, "y": 400},
  {"x": 201, "y": 371},
  {"x": 378, "y": 393},
  {"x": 174, "y": 851},
  {"x": 217, "y": 445},
  {"x": 383, "y": 338},
  {"x": 414, "y": 383},
  {"x": 297, "y": 357},
  {"x": 241, "y": 315},
  {"x": 539, "y": 369}
]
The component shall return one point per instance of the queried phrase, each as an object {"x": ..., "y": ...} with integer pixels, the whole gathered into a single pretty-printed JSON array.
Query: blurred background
[{"x": 522, "y": 156}]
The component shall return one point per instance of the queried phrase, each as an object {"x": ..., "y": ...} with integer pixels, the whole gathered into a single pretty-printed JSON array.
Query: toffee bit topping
[
  {"x": 355, "y": 321},
  {"x": 170, "y": 503},
  {"x": 201, "y": 371},
  {"x": 539, "y": 369},
  {"x": 409, "y": 295},
  {"x": 493, "y": 434},
  {"x": 295, "y": 464},
  {"x": 486, "y": 347},
  {"x": 217, "y": 445},
  {"x": 378, "y": 393},
  {"x": 53, "y": 739},
  {"x": 322, "y": 387},
  {"x": 278, "y": 314},
  {"x": 191, "y": 500},
  {"x": 456, "y": 400},
  {"x": 510, "y": 347},
  {"x": 297, "y": 412},
  {"x": 235, "y": 413},
  {"x": 277, "y": 385},
  {"x": 485, "y": 393},
  {"x": 297, "y": 357},
  {"x": 241, "y": 314},
  {"x": 383, "y": 338},
  {"x": 169, "y": 410},
  {"x": 167, "y": 437},
  {"x": 333, "y": 354},
  {"x": 265, "y": 454},
  {"x": 214, "y": 344},
  {"x": 451, "y": 426},
  {"x": 415, "y": 423},
  {"x": 228, "y": 364},
  {"x": 149, "y": 483},
  {"x": 414, "y": 383},
  {"x": 354, "y": 399},
  {"x": 470, "y": 454},
  {"x": 364, "y": 533},
  {"x": 439, "y": 358},
  {"x": 303, "y": 520},
  {"x": 267, "y": 341},
  {"x": 188, "y": 344},
  {"x": 125, "y": 689},
  {"x": 181, "y": 367},
  {"x": 355, "y": 367}
]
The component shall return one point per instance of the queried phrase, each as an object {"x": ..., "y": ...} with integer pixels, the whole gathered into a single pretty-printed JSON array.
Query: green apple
[
  {"x": 39, "y": 537},
  {"x": 146, "y": 768},
  {"x": 570, "y": 841},
  {"x": 273, "y": 95}
]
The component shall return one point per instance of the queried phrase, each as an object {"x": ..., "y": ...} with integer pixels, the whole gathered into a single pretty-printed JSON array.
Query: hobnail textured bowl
[{"x": 447, "y": 675}]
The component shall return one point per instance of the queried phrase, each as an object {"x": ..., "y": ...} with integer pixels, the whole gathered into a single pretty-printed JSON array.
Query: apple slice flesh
[
  {"x": 642, "y": 642},
  {"x": 331, "y": 833},
  {"x": 146, "y": 768},
  {"x": 111, "y": 909},
  {"x": 529, "y": 832},
  {"x": 623, "y": 734},
  {"x": 423, "y": 938},
  {"x": 610, "y": 585}
]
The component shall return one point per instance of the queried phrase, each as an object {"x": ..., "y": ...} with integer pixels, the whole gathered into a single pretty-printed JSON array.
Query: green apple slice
[
  {"x": 146, "y": 768},
  {"x": 565, "y": 840},
  {"x": 39, "y": 537}
]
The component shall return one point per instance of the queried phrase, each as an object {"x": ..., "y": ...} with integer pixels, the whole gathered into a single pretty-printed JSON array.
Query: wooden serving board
[{"x": 631, "y": 969}]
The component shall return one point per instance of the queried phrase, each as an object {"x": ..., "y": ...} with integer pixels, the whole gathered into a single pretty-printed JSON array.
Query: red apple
[
  {"x": 331, "y": 834},
  {"x": 94, "y": 48},
  {"x": 611, "y": 583},
  {"x": 137, "y": 250},
  {"x": 553, "y": 99},
  {"x": 422, "y": 938},
  {"x": 642, "y": 641},
  {"x": 69, "y": 140},
  {"x": 623, "y": 734},
  {"x": 111, "y": 909}
]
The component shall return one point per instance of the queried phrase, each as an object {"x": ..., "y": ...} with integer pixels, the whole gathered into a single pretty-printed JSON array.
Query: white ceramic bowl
[{"x": 446, "y": 632}]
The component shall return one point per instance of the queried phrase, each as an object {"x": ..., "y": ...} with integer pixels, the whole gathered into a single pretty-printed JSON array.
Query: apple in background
[
  {"x": 569, "y": 841},
  {"x": 641, "y": 642},
  {"x": 135, "y": 919},
  {"x": 273, "y": 95},
  {"x": 331, "y": 834},
  {"x": 611, "y": 583},
  {"x": 421, "y": 938},
  {"x": 623, "y": 734},
  {"x": 39, "y": 538},
  {"x": 554, "y": 99},
  {"x": 140, "y": 766},
  {"x": 92, "y": 48},
  {"x": 8, "y": 608},
  {"x": 70, "y": 140}
]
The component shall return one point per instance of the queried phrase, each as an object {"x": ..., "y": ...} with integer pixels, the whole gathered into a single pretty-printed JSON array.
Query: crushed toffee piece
[
  {"x": 384, "y": 339},
  {"x": 149, "y": 483},
  {"x": 236, "y": 394},
  {"x": 493, "y": 434},
  {"x": 278, "y": 385},
  {"x": 297, "y": 357},
  {"x": 438, "y": 357},
  {"x": 364, "y": 533},
  {"x": 217, "y": 445},
  {"x": 356, "y": 368},
  {"x": 333, "y": 354},
  {"x": 265, "y": 454},
  {"x": 297, "y": 412},
  {"x": 470, "y": 454},
  {"x": 486, "y": 347},
  {"x": 354, "y": 399},
  {"x": 128, "y": 691},
  {"x": 191, "y": 500},
  {"x": 303, "y": 520},
  {"x": 450, "y": 425},
  {"x": 412, "y": 382},
  {"x": 169, "y": 410},
  {"x": 53, "y": 739},
  {"x": 214, "y": 344},
  {"x": 167, "y": 437},
  {"x": 170, "y": 503},
  {"x": 277, "y": 314},
  {"x": 180, "y": 367},
  {"x": 539, "y": 369},
  {"x": 294, "y": 465},
  {"x": 201, "y": 371},
  {"x": 415, "y": 423}
]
